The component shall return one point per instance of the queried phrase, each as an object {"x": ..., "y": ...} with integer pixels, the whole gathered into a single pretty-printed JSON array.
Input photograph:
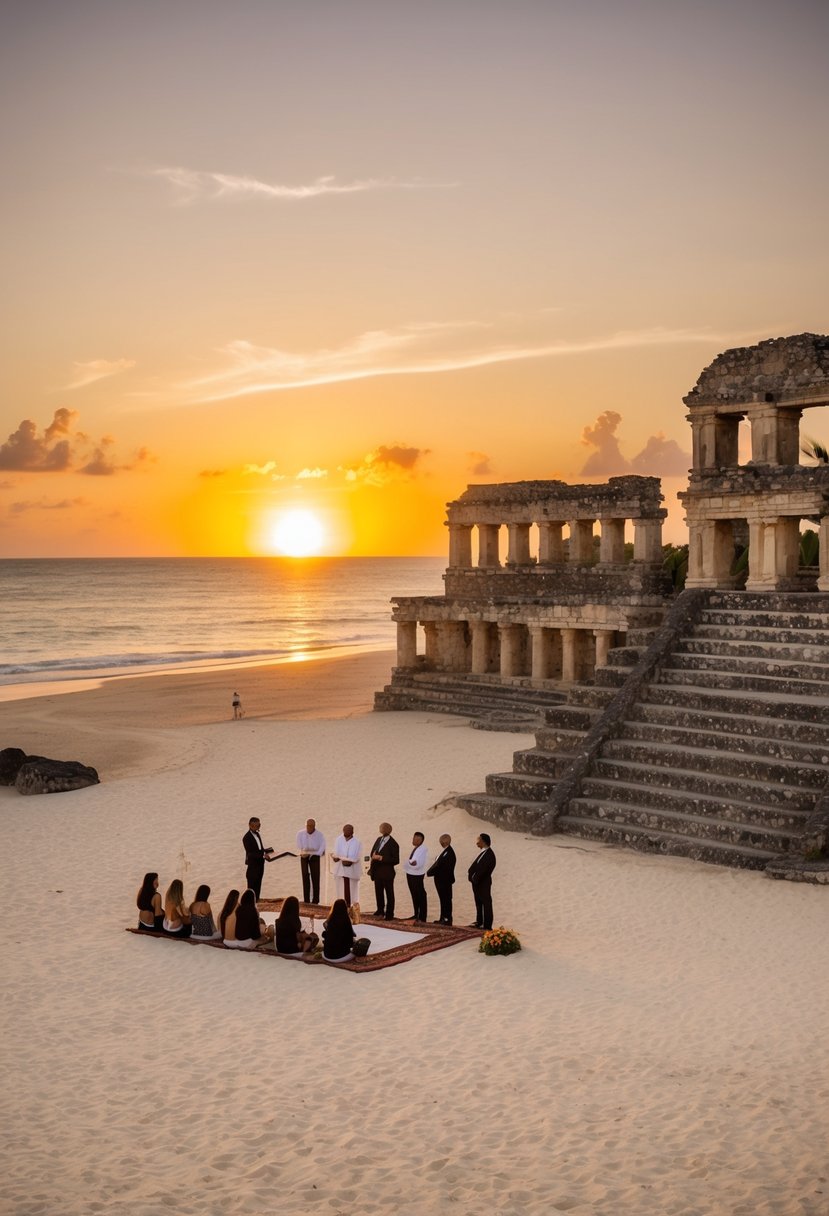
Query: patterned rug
[{"x": 431, "y": 937}]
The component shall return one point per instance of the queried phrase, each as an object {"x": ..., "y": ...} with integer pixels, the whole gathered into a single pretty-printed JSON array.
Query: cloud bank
[
  {"x": 60, "y": 449},
  {"x": 660, "y": 457}
]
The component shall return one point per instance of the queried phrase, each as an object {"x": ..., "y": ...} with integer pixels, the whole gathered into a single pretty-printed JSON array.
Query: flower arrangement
[{"x": 499, "y": 941}]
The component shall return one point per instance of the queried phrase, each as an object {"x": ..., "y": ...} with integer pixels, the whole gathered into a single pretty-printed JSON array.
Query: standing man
[
  {"x": 347, "y": 867},
  {"x": 415, "y": 867},
  {"x": 311, "y": 845},
  {"x": 255, "y": 856},
  {"x": 480, "y": 875},
  {"x": 443, "y": 872},
  {"x": 385, "y": 855}
]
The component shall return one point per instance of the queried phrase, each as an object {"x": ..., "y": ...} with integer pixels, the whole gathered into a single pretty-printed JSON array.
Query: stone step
[
  {"x": 493, "y": 717},
  {"x": 754, "y": 835},
  {"x": 471, "y": 686},
  {"x": 755, "y": 647},
  {"x": 511, "y": 814},
  {"x": 470, "y": 696},
  {"x": 611, "y": 677},
  {"x": 676, "y": 844},
  {"x": 656, "y": 797},
  {"x": 557, "y": 739},
  {"x": 571, "y": 717},
  {"x": 591, "y": 696},
  {"x": 541, "y": 762},
  {"x": 811, "y": 671},
  {"x": 777, "y": 601},
  {"x": 773, "y": 621},
  {"x": 694, "y": 782},
  {"x": 711, "y": 761},
  {"x": 738, "y": 700},
  {"x": 624, "y": 656},
  {"x": 523, "y": 787},
  {"x": 804, "y": 752},
  {"x": 742, "y": 724},
  {"x": 724, "y": 681}
]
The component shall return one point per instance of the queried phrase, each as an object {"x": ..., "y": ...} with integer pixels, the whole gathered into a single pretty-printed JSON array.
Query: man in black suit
[
  {"x": 255, "y": 856},
  {"x": 443, "y": 872},
  {"x": 480, "y": 875},
  {"x": 385, "y": 855}
]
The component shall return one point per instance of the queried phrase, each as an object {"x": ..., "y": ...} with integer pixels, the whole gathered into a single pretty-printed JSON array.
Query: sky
[{"x": 347, "y": 257}]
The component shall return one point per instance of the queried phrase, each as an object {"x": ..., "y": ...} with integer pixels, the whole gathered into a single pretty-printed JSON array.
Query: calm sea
[{"x": 59, "y": 618}]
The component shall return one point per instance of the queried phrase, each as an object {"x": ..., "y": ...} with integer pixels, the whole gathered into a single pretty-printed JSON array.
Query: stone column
[
  {"x": 710, "y": 554},
  {"x": 612, "y": 541},
  {"x": 604, "y": 641},
  {"x": 694, "y": 577},
  {"x": 480, "y": 647},
  {"x": 488, "y": 546},
  {"x": 452, "y": 646},
  {"x": 568, "y": 655},
  {"x": 703, "y": 433},
  {"x": 432, "y": 653},
  {"x": 460, "y": 545},
  {"x": 756, "y": 580},
  {"x": 407, "y": 643},
  {"x": 518, "y": 552},
  {"x": 542, "y": 652},
  {"x": 647, "y": 540},
  {"x": 774, "y": 553},
  {"x": 550, "y": 543},
  {"x": 823, "y": 568},
  {"x": 581, "y": 542},
  {"x": 510, "y": 650}
]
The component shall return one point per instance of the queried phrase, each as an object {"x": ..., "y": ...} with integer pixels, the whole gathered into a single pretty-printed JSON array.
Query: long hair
[
  {"x": 247, "y": 917},
  {"x": 175, "y": 894},
  {"x": 144, "y": 899},
  {"x": 202, "y": 894},
  {"x": 338, "y": 917},
  {"x": 289, "y": 915},
  {"x": 228, "y": 907}
]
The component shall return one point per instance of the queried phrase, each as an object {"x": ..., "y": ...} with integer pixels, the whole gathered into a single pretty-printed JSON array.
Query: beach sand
[{"x": 658, "y": 1047}]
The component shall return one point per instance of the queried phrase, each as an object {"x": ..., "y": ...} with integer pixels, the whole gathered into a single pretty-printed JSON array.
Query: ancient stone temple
[
  {"x": 694, "y": 724},
  {"x": 509, "y": 635}
]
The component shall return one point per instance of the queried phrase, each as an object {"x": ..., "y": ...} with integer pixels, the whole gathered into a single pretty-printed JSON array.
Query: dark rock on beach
[
  {"x": 40, "y": 776},
  {"x": 12, "y": 760}
]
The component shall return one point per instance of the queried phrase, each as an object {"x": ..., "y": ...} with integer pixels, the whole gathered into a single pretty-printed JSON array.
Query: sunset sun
[{"x": 297, "y": 533}]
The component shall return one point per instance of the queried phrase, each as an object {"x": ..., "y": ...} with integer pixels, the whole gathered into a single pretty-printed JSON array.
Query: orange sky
[{"x": 349, "y": 257}]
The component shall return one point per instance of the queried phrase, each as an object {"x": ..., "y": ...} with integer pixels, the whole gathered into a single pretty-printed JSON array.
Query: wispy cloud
[
  {"x": 417, "y": 349},
  {"x": 97, "y": 369},
  {"x": 196, "y": 185}
]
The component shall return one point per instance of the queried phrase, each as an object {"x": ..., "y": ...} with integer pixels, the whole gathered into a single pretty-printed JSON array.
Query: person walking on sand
[
  {"x": 311, "y": 844},
  {"x": 347, "y": 866},
  {"x": 415, "y": 867},
  {"x": 480, "y": 875},
  {"x": 443, "y": 872},
  {"x": 238, "y": 712},
  {"x": 385, "y": 855}
]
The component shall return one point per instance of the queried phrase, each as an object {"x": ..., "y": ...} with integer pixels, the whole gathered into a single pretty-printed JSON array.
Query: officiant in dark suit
[
  {"x": 255, "y": 856},
  {"x": 385, "y": 855},
  {"x": 480, "y": 875},
  {"x": 443, "y": 872}
]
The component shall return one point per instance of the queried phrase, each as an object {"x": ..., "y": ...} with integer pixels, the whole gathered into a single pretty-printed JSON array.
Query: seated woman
[
  {"x": 227, "y": 919},
  {"x": 201, "y": 917},
  {"x": 338, "y": 934},
  {"x": 251, "y": 930},
  {"x": 176, "y": 913},
  {"x": 291, "y": 938},
  {"x": 150, "y": 912}
]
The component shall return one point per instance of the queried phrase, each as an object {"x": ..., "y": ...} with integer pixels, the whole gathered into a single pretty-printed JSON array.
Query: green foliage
[
  {"x": 675, "y": 561},
  {"x": 809, "y": 547}
]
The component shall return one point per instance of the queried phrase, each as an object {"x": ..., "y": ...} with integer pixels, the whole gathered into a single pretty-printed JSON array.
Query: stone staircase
[
  {"x": 722, "y": 756},
  {"x": 488, "y": 701}
]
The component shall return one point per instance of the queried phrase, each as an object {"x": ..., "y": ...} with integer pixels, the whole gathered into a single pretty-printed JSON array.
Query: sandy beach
[{"x": 658, "y": 1047}]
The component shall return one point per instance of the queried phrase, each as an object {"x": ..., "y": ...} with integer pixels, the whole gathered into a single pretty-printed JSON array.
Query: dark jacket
[{"x": 443, "y": 867}]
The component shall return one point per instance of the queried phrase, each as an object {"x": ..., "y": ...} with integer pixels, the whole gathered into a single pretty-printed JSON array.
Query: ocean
[{"x": 75, "y": 617}]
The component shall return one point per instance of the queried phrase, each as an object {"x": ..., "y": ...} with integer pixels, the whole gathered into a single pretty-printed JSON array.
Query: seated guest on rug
[
  {"x": 338, "y": 933},
  {"x": 291, "y": 938},
  {"x": 201, "y": 917},
  {"x": 251, "y": 930},
  {"x": 150, "y": 912},
  {"x": 176, "y": 912},
  {"x": 227, "y": 918}
]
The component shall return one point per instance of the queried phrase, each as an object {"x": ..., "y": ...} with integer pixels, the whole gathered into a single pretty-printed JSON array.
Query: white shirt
[
  {"x": 350, "y": 850},
  {"x": 416, "y": 864},
  {"x": 311, "y": 842}
]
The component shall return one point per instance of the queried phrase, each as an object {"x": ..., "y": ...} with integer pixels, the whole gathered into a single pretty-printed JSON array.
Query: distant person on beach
[
  {"x": 347, "y": 866},
  {"x": 480, "y": 875},
  {"x": 415, "y": 867},
  {"x": 150, "y": 911},
  {"x": 176, "y": 913},
  {"x": 289, "y": 934},
  {"x": 338, "y": 934},
  {"x": 311, "y": 845},
  {"x": 255, "y": 855},
  {"x": 238, "y": 712},
  {"x": 201, "y": 917},
  {"x": 443, "y": 872},
  {"x": 385, "y": 855}
]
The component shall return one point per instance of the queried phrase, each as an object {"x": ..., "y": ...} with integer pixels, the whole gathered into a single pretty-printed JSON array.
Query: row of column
[
  {"x": 482, "y": 647},
  {"x": 647, "y": 543},
  {"x": 773, "y": 553},
  {"x": 775, "y": 436}
]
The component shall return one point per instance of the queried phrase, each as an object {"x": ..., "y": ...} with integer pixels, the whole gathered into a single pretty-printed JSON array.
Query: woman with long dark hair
[
  {"x": 338, "y": 935},
  {"x": 201, "y": 917},
  {"x": 148, "y": 900},
  {"x": 290, "y": 936},
  {"x": 227, "y": 917},
  {"x": 176, "y": 912},
  {"x": 250, "y": 928}
]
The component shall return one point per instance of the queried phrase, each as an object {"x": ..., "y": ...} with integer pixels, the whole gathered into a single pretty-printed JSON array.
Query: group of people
[
  {"x": 239, "y": 924},
  {"x": 382, "y": 861}
]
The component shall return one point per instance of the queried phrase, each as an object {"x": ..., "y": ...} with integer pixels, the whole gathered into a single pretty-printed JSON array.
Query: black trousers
[
  {"x": 384, "y": 893},
  {"x": 253, "y": 875},
  {"x": 417, "y": 889},
  {"x": 483, "y": 903},
  {"x": 444, "y": 890},
  {"x": 310, "y": 867}
]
